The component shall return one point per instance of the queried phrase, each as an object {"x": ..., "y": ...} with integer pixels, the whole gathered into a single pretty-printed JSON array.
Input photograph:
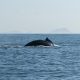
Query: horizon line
[{"x": 37, "y": 33}]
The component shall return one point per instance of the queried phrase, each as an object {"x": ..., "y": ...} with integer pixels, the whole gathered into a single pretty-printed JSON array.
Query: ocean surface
[{"x": 61, "y": 62}]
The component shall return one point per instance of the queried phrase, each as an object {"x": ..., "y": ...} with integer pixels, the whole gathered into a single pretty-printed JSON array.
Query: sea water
[{"x": 61, "y": 62}]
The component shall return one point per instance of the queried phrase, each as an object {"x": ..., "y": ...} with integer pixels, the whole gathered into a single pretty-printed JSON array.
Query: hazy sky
[{"x": 39, "y": 16}]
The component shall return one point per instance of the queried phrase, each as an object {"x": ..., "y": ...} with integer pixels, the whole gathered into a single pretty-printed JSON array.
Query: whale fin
[{"x": 47, "y": 39}]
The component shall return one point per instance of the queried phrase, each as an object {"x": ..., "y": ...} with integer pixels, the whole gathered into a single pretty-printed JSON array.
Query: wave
[
  {"x": 20, "y": 46},
  {"x": 10, "y": 46}
]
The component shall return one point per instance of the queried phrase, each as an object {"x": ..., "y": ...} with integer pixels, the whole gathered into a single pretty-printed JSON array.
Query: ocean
[{"x": 60, "y": 62}]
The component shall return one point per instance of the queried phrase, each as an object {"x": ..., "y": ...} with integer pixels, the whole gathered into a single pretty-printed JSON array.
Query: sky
[{"x": 39, "y": 16}]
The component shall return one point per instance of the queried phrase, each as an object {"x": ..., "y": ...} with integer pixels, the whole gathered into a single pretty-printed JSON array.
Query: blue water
[{"x": 60, "y": 62}]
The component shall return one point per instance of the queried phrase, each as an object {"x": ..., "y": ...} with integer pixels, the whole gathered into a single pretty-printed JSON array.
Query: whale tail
[{"x": 47, "y": 39}]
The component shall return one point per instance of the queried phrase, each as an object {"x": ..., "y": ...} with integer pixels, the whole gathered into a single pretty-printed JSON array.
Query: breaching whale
[{"x": 46, "y": 42}]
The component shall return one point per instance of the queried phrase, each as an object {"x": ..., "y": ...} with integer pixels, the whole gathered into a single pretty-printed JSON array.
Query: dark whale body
[{"x": 45, "y": 42}]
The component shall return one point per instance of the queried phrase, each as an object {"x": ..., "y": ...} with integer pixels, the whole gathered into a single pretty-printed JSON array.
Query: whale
[{"x": 46, "y": 42}]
